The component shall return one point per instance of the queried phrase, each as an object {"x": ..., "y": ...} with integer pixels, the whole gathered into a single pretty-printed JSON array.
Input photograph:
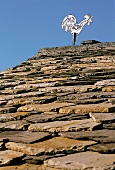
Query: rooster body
[{"x": 69, "y": 24}]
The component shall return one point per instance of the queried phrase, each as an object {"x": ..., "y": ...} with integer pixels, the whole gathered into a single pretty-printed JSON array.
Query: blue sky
[{"x": 28, "y": 25}]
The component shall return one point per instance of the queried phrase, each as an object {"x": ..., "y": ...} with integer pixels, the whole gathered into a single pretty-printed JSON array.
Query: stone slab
[
  {"x": 54, "y": 106},
  {"x": 14, "y": 116},
  {"x": 83, "y": 160},
  {"x": 105, "y": 82},
  {"x": 58, "y": 126},
  {"x": 110, "y": 126},
  {"x": 107, "y": 148},
  {"x": 89, "y": 95},
  {"x": 102, "y": 136},
  {"x": 60, "y": 89},
  {"x": 24, "y": 136},
  {"x": 69, "y": 117},
  {"x": 44, "y": 117},
  {"x": 28, "y": 94},
  {"x": 37, "y": 159},
  {"x": 52, "y": 79},
  {"x": 90, "y": 42},
  {"x": 36, "y": 85},
  {"x": 11, "y": 83},
  {"x": 50, "y": 68},
  {"x": 89, "y": 101},
  {"x": 10, "y": 157},
  {"x": 52, "y": 146},
  {"x": 93, "y": 108},
  {"x": 32, "y": 100},
  {"x": 53, "y": 116},
  {"x": 14, "y": 125},
  {"x": 102, "y": 117},
  {"x": 77, "y": 88}
]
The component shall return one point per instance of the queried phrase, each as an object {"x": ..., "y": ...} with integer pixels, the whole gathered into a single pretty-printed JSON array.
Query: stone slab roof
[{"x": 57, "y": 110}]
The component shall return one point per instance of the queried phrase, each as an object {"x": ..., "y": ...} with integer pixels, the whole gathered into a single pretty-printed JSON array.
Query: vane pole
[{"x": 74, "y": 38}]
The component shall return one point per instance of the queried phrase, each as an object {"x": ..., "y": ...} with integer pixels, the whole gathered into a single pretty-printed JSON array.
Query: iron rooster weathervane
[{"x": 69, "y": 24}]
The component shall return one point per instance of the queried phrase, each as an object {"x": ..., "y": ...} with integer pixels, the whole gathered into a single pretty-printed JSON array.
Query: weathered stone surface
[
  {"x": 38, "y": 85},
  {"x": 57, "y": 126},
  {"x": 31, "y": 100},
  {"x": 50, "y": 79},
  {"x": 69, "y": 88},
  {"x": 66, "y": 95},
  {"x": 53, "y": 116},
  {"x": 7, "y": 109},
  {"x": 51, "y": 146},
  {"x": 102, "y": 117},
  {"x": 89, "y": 95},
  {"x": 112, "y": 100},
  {"x": 108, "y": 88},
  {"x": 40, "y": 159},
  {"x": 69, "y": 117},
  {"x": 110, "y": 126},
  {"x": 37, "y": 159},
  {"x": 29, "y": 94},
  {"x": 10, "y": 157},
  {"x": 24, "y": 137},
  {"x": 90, "y": 42},
  {"x": 1, "y": 145},
  {"x": 14, "y": 125},
  {"x": 54, "y": 106},
  {"x": 44, "y": 117},
  {"x": 106, "y": 82},
  {"x": 93, "y": 108},
  {"x": 95, "y": 66},
  {"x": 49, "y": 68},
  {"x": 58, "y": 89},
  {"x": 14, "y": 116},
  {"x": 103, "y": 136},
  {"x": 28, "y": 167},
  {"x": 83, "y": 160},
  {"x": 103, "y": 148},
  {"x": 88, "y": 101},
  {"x": 11, "y": 83},
  {"x": 2, "y": 103}
]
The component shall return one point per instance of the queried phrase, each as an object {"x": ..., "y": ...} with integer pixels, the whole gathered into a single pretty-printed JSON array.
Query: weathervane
[{"x": 69, "y": 24}]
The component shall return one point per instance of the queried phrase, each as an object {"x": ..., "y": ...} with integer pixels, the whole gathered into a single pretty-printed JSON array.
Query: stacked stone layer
[{"x": 57, "y": 110}]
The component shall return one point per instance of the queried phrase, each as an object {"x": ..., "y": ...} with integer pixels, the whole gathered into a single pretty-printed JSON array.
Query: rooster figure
[{"x": 69, "y": 24}]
